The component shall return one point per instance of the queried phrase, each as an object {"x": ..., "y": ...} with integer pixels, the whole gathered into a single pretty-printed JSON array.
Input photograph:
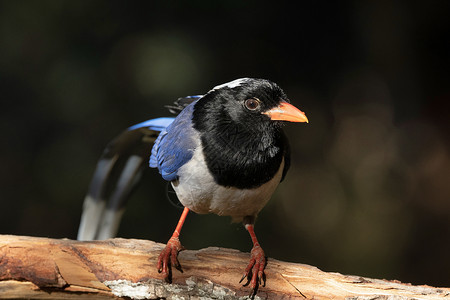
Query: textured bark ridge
[{"x": 43, "y": 268}]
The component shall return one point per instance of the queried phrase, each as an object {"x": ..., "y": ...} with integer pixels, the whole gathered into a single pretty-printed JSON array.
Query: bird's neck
[{"x": 240, "y": 156}]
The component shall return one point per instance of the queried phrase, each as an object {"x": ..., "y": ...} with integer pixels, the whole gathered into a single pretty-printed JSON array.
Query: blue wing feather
[
  {"x": 158, "y": 124},
  {"x": 175, "y": 145}
]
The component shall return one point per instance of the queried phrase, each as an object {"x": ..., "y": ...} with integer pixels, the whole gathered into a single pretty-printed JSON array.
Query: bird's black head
[
  {"x": 243, "y": 101},
  {"x": 239, "y": 123}
]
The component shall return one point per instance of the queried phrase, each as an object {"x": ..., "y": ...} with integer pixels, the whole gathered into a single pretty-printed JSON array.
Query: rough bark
[{"x": 43, "y": 268}]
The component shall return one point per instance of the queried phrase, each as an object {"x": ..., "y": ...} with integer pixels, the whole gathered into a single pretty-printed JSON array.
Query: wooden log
[{"x": 43, "y": 268}]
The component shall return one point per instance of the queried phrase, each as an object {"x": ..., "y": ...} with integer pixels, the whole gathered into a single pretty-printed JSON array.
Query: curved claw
[
  {"x": 255, "y": 269},
  {"x": 169, "y": 258}
]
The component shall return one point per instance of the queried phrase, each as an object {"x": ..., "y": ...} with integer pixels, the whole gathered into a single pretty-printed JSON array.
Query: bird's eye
[{"x": 252, "y": 103}]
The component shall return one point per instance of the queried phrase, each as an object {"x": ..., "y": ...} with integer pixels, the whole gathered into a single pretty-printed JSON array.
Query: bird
[{"x": 224, "y": 153}]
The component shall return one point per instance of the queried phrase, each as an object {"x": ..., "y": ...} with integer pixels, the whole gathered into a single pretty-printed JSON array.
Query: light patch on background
[
  {"x": 318, "y": 204},
  {"x": 160, "y": 64}
]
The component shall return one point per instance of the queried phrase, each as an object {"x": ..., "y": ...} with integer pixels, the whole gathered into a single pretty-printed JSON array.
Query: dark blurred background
[{"x": 369, "y": 188}]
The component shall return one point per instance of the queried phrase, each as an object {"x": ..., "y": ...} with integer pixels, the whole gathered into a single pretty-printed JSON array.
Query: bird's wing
[
  {"x": 175, "y": 145},
  {"x": 118, "y": 172}
]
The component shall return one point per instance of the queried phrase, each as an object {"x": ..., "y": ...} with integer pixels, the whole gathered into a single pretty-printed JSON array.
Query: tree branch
[{"x": 45, "y": 268}]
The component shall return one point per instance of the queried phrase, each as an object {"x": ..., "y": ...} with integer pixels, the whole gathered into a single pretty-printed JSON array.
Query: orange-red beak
[{"x": 286, "y": 112}]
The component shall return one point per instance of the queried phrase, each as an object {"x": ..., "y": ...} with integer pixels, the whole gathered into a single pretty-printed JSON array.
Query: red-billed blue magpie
[{"x": 225, "y": 153}]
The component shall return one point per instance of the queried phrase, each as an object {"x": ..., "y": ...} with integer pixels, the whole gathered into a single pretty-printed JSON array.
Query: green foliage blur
[{"x": 368, "y": 192}]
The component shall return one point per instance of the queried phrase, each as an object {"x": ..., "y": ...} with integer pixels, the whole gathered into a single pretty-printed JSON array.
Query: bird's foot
[
  {"x": 169, "y": 258},
  {"x": 255, "y": 269}
]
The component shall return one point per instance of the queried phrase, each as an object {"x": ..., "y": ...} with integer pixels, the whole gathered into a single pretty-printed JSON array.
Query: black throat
[{"x": 241, "y": 155}]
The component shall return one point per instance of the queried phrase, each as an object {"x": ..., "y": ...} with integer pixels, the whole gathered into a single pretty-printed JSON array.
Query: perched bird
[{"x": 225, "y": 153}]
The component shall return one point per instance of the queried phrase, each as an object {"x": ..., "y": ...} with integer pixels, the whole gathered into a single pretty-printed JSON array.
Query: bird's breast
[{"x": 197, "y": 189}]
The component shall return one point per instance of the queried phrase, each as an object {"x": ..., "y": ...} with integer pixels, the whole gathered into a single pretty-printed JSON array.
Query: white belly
[{"x": 197, "y": 190}]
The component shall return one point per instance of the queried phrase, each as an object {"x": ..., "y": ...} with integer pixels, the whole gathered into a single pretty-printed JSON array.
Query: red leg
[
  {"x": 169, "y": 256},
  {"x": 257, "y": 264}
]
